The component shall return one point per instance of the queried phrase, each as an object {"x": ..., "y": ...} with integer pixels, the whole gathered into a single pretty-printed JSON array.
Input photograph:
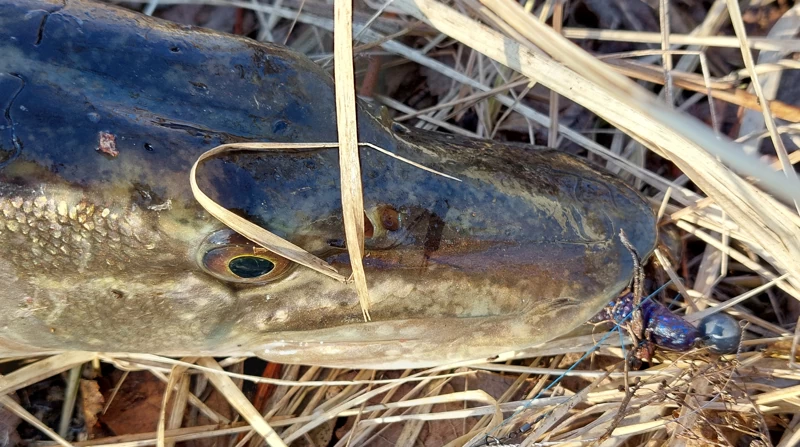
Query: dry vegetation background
[{"x": 695, "y": 102}]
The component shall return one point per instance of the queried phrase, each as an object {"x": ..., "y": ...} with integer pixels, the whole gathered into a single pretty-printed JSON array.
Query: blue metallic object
[
  {"x": 666, "y": 330},
  {"x": 721, "y": 333}
]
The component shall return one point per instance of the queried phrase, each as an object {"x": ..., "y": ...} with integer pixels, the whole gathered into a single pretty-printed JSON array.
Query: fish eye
[
  {"x": 250, "y": 266},
  {"x": 230, "y": 257}
]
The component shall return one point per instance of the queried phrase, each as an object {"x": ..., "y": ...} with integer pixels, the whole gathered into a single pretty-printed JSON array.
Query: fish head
[
  {"x": 103, "y": 246},
  {"x": 500, "y": 256}
]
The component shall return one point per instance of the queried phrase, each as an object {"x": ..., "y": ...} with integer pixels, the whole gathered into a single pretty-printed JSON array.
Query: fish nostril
[
  {"x": 337, "y": 243},
  {"x": 390, "y": 218},
  {"x": 399, "y": 128}
]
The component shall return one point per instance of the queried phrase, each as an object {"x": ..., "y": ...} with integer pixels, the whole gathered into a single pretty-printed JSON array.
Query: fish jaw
[{"x": 451, "y": 306}]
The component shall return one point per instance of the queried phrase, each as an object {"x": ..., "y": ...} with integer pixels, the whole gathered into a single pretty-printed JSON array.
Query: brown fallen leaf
[
  {"x": 137, "y": 406},
  {"x": 92, "y": 403}
]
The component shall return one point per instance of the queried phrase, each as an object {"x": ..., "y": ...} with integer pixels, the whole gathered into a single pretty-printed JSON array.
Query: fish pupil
[{"x": 250, "y": 266}]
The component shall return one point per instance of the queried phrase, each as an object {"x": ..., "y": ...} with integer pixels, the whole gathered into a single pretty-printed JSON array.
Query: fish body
[{"x": 103, "y": 247}]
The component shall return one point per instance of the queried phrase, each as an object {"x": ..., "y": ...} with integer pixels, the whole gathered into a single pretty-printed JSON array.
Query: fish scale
[{"x": 66, "y": 237}]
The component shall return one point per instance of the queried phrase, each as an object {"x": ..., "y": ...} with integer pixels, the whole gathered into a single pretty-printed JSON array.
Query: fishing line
[{"x": 575, "y": 365}]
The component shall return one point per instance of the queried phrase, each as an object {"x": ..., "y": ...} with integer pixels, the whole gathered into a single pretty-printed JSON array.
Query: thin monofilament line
[{"x": 594, "y": 348}]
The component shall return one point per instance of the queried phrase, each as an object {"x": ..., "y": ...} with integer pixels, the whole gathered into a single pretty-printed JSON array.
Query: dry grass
[
  {"x": 349, "y": 164},
  {"x": 490, "y": 58}
]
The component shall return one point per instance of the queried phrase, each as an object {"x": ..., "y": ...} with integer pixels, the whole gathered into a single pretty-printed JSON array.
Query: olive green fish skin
[{"x": 108, "y": 253}]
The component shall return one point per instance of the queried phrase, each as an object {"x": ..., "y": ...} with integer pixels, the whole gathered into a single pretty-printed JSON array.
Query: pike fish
[{"x": 103, "y": 247}]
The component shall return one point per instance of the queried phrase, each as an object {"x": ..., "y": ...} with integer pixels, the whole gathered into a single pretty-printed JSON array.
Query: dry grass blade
[
  {"x": 719, "y": 90},
  {"x": 17, "y": 409},
  {"x": 666, "y": 57},
  {"x": 179, "y": 405},
  {"x": 780, "y": 149},
  {"x": 753, "y": 123},
  {"x": 562, "y": 410},
  {"x": 697, "y": 316},
  {"x": 250, "y": 230},
  {"x": 238, "y": 401},
  {"x": 70, "y": 398},
  {"x": 162, "y": 416},
  {"x": 115, "y": 390},
  {"x": 352, "y": 193},
  {"x": 175, "y": 377},
  {"x": 195, "y": 401},
  {"x": 42, "y": 369},
  {"x": 475, "y": 395},
  {"x": 759, "y": 43},
  {"x": 128, "y": 360},
  {"x": 692, "y": 146},
  {"x": 405, "y": 160}
]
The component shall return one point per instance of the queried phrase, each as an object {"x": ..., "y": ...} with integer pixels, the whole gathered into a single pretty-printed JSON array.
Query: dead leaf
[
  {"x": 137, "y": 406},
  {"x": 92, "y": 403}
]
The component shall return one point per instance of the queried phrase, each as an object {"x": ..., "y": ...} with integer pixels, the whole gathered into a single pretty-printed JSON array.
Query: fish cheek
[
  {"x": 141, "y": 314},
  {"x": 61, "y": 234},
  {"x": 17, "y": 299}
]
